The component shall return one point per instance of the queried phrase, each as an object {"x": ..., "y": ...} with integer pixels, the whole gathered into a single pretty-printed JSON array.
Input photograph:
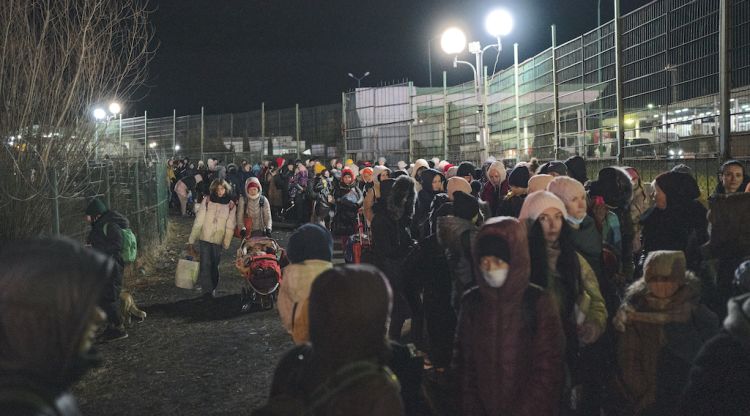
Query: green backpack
[{"x": 129, "y": 244}]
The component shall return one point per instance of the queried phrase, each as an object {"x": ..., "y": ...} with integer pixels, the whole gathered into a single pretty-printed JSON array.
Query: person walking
[
  {"x": 215, "y": 219},
  {"x": 254, "y": 211}
]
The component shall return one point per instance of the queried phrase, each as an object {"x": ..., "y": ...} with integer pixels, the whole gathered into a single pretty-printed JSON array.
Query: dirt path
[{"x": 189, "y": 357}]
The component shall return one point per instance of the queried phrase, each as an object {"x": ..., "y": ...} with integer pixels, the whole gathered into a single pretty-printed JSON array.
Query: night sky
[{"x": 231, "y": 55}]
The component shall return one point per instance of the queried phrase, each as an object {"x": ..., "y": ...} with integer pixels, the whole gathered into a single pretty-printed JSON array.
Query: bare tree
[{"x": 59, "y": 59}]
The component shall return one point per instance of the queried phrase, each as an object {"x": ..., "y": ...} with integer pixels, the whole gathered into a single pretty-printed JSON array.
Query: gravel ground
[{"x": 190, "y": 356}]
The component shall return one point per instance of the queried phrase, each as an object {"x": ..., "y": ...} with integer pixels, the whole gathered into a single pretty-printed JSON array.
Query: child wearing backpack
[{"x": 111, "y": 235}]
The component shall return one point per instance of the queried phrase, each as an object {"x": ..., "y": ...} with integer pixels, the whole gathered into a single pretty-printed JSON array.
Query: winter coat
[
  {"x": 293, "y": 293},
  {"x": 656, "y": 342},
  {"x": 719, "y": 191},
  {"x": 424, "y": 202},
  {"x": 680, "y": 226},
  {"x": 491, "y": 195},
  {"x": 419, "y": 163},
  {"x": 298, "y": 183},
  {"x": 504, "y": 366},
  {"x": 214, "y": 222},
  {"x": 348, "y": 200},
  {"x": 274, "y": 193},
  {"x": 111, "y": 242},
  {"x": 511, "y": 205},
  {"x": 454, "y": 234},
  {"x": 720, "y": 374},
  {"x": 251, "y": 209},
  {"x": 234, "y": 178},
  {"x": 391, "y": 237},
  {"x": 40, "y": 399}
]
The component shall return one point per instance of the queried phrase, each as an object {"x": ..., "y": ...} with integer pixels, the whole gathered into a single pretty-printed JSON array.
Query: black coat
[
  {"x": 111, "y": 242},
  {"x": 682, "y": 227}
]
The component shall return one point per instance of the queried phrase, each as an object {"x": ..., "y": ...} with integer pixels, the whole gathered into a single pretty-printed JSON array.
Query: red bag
[{"x": 248, "y": 226}]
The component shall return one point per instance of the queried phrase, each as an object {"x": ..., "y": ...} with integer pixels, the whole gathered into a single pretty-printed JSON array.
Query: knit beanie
[
  {"x": 308, "y": 242},
  {"x": 500, "y": 167},
  {"x": 441, "y": 166},
  {"x": 449, "y": 166},
  {"x": 96, "y": 207},
  {"x": 319, "y": 168},
  {"x": 566, "y": 188},
  {"x": 465, "y": 169},
  {"x": 451, "y": 172},
  {"x": 555, "y": 166},
  {"x": 539, "y": 182},
  {"x": 577, "y": 168},
  {"x": 613, "y": 184},
  {"x": 519, "y": 177},
  {"x": 678, "y": 186},
  {"x": 347, "y": 171},
  {"x": 491, "y": 245},
  {"x": 536, "y": 203},
  {"x": 465, "y": 206},
  {"x": 366, "y": 171},
  {"x": 457, "y": 183},
  {"x": 665, "y": 263}
]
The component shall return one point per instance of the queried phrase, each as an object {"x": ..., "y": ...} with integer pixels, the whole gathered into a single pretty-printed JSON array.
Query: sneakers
[{"x": 111, "y": 334}]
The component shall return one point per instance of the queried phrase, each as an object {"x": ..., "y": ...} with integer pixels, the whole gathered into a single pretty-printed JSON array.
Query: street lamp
[
  {"x": 453, "y": 41},
  {"x": 101, "y": 116},
  {"x": 359, "y": 79}
]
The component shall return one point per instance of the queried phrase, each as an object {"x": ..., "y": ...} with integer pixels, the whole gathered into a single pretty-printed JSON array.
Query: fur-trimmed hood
[
  {"x": 400, "y": 200},
  {"x": 690, "y": 291},
  {"x": 450, "y": 229},
  {"x": 737, "y": 321},
  {"x": 514, "y": 234}
]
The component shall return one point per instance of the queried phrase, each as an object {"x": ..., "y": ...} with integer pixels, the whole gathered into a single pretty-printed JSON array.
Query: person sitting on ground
[
  {"x": 254, "y": 211},
  {"x": 310, "y": 250},
  {"x": 342, "y": 370},
  {"x": 661, "y": 326},
  {"x": 509, "y": 340},
  {"x": 49, "y": 290},
  {"x": 106, "y": 237},
  {"x": 213, "y": 228}
]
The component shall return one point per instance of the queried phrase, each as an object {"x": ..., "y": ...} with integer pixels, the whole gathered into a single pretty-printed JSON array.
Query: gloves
[
  {"x": 267, "y": 232},
  {"x": 243, "y": 232}
]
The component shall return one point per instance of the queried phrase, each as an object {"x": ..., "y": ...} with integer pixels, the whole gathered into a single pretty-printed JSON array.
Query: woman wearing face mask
[
  {"x": 48, "y": 294},
  {"x": 661, "y": 326},
  {"x": 508, "y": 354},
  {"x": 557, "y": 267}
]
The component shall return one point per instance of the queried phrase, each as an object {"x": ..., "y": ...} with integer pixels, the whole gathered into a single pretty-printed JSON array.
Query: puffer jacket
[
  {"x": 252, "y": 209},
  {"x": 293, "y": 294},
  {"x": 454, "y": 235},
  {"x": 109, "y": 243},
  {"x": 214, "y": 223},
  {"x": 657, "y": 340},
  {"x": 505, "y": 367}
]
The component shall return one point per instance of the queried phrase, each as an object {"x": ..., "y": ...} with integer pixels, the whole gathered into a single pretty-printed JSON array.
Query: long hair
[
  {"x": 48, "y": 291},
  {"x": 568, "y": 266}
]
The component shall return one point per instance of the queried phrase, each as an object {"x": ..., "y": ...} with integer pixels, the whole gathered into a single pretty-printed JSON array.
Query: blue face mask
[{"x": 575, "y": 221}]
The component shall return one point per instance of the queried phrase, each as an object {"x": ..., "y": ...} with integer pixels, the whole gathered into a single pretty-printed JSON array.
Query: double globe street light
[
  {"x": 453, "y": 42},
  {"x": 102, "y": 116}
]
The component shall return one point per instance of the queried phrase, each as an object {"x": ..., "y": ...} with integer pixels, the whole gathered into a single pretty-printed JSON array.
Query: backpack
[
  {"x": 290, "y": 405},
  {"x": 129, "y": 249}
]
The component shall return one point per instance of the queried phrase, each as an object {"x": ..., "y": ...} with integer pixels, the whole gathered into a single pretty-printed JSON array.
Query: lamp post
[
  {"x": 453, "y": 41},
  {"x": 102, "y": 116},
  {"x": 359, "y": 79}
]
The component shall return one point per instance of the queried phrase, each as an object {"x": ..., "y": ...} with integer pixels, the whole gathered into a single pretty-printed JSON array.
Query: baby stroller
[{"x": 258, "y": 261}]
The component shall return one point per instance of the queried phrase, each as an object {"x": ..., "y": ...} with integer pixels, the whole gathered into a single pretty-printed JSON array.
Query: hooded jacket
[
  {"x": 391, "y": 237},
  {"x": 657, "y": 340},
  {"x": 257, "y": 209},
  {"x": 721, "y": 371},
  {"x": 109, "y": 243},
  {"x": 454, "y": 235},
  {"x": 419, "y": 163},
  {"x": 503, "y": 366},
  {"x": 424, "y": 200},
  {"x": 214, "y": 223},
  {"x": 293, "y": 294}
]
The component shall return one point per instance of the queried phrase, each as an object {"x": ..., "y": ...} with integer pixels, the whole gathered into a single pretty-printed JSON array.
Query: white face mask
[
  {"x": 575, "y": 221},
  {"x": 495, "y": 278}
]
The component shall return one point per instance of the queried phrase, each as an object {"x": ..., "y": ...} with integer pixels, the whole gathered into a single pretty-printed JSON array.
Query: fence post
[
  {"x": 107, "y": 184},
  {"x": 55, "y": 202},
  {"x": 174, "y": 132},
  {"x": 137, "y": 183},
  {"x": 555, "y": 92},
  {"x": 119, "y": 134},
  {"x": 343, "y": 123},
  {"x": 618, "y": 82},
  {"x": 518, "y": 108},
  {"x": 445, "y": 115},
  {"x": 145, "y": 135},
  {"x": 725, "y": 80},
  {"x": 296, "y": 128},
  {"x": 410, "y": 139},
  {"x": 202, "y": 131}
]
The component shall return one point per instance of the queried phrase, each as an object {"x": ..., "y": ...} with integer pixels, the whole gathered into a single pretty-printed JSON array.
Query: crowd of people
[{"x": 480, "y": 290}]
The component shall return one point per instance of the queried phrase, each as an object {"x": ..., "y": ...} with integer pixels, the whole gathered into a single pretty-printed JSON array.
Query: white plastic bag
[{"x": 187, "y": 273}]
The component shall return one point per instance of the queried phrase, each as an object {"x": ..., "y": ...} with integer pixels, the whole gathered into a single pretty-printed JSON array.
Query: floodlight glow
[
  {"x": 177, "y": 147},
  {"x": 498, "y": 23},
  {"x": 152, "y": 145},
  {"x": 100, "y": 114},
  {"x": 475, "y": 47},
  {"x": 453, "y": 41},
  {"x": 114, "y": 108}
]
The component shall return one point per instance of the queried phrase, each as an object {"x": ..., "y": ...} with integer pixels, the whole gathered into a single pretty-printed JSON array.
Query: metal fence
[
  {"x": 252, "y": 135},
  {"x": 564, "y": 100}
]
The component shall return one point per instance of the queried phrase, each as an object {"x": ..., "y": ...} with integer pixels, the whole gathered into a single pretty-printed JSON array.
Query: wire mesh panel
[
  {"x": 428, "y": 128},
  {"x": 464, "y": 122},
  {"x": 501, "y": 114},
  {"x": 536, "y": 106},
  {"x": 377, "y": 122},
  {"x": 320, "y": 129},
  {"x": 133, "y": 132}
]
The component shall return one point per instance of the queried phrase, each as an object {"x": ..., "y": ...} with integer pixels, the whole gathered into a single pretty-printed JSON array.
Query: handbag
[{"x": 187, "y": 273}]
